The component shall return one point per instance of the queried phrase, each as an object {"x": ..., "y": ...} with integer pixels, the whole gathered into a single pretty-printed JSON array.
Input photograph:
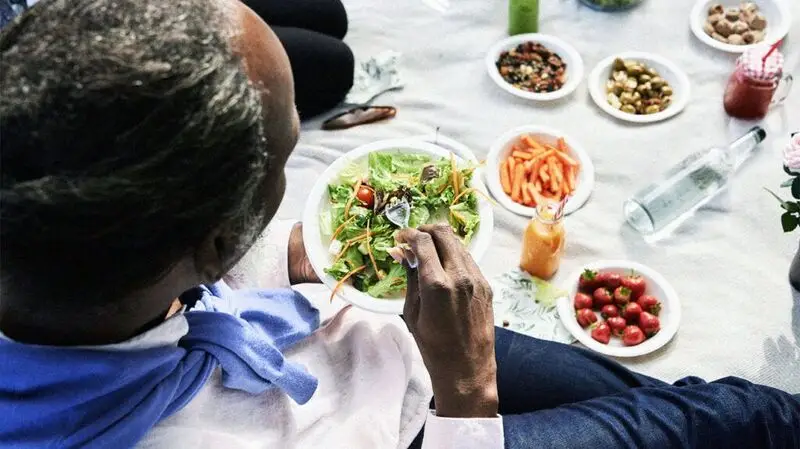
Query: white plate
[
  {"x": 501, "y": 149},
  {"x": 566, "y": 51},
  {"x": 670, "y": 72},
  {"x": 318, "y": 202},
  {"x": 779, "y": 20},
  {"x": 657, "y": 286}
]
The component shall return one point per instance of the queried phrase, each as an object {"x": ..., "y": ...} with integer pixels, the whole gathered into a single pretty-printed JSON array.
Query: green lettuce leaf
[
  {"x": 394, "y": 282},
  {"x": 419, "y": 216}
]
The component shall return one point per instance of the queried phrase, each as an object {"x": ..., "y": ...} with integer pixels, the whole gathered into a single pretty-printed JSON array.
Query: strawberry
[
  {"x": 617, "y": 325},
  {"x": 609, "y": 310},
  {"x": 636, "y": 284},
  {"x": 649, "y": 304},
  {"x": 631, "y": 312},
  {"x": 586, "y": 317},
  {"x": 601, "y": 332},
  {"x": 649, "y": 323},
  {"x": 632, "y": 336},
  {"x": 609, "y": 280},
  {"x": 622, "y": 296},
  {"x": 588, "y": 281},
  {"x": 583, "y": 301},
  {"x": 602, "y": 296}
]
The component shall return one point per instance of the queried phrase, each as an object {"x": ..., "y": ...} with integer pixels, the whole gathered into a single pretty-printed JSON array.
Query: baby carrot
[
  {"x": 512, "y": 163},
  {"x": 516, "y": 184},
  {"x": 571, "y": 178},
  {"x": 562, "y": 145},
  {"x": 522, "y": 155},
  {"x": 538, "y": 186},
  {"x": 527, "y": 165},
  {"x": 566, "y": 159},
  {"x": 536, "y": 197},
  {"x": 526, "y": 194},
  {"x": 532, "y": 143},
  {"x": 543, "y": 173},
  {"x": 505, "y": 180}
]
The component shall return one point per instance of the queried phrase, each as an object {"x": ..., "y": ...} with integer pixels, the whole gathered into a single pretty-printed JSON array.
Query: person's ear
[{"x": 213, "y": 257}]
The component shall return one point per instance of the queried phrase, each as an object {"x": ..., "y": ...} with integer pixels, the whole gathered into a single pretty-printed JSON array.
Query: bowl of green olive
[
  {"x": 639, "y": 87},
  {"x": 611, "y": 5}
]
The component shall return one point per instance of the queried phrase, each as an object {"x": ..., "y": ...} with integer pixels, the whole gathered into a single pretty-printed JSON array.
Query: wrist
[{"x": 467, "y": 399}]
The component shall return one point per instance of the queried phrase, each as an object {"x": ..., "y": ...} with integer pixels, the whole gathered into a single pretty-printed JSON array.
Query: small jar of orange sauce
[{"x": 543, "y": 241}]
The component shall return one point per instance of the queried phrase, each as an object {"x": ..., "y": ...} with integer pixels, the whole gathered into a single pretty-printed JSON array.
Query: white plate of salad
[{"x": 347, "y": 235}]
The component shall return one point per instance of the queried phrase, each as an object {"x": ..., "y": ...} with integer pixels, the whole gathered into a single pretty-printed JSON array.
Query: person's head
[{"x": 142, "y": 147}]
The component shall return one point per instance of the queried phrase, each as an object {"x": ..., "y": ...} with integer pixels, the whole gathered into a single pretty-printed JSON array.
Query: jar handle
[{"x": 786, "y": 83}]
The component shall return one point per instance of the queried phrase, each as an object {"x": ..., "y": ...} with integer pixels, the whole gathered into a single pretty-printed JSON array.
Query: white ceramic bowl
[
  {"x": 566, "y": 51},
  {"x": 670, "y": 72},
  {"x": 777, "y": 12},
  {"x": 657, "y": 286},
  {"x": 501, "y": 149},
  {"x": 318, "y": 202}
]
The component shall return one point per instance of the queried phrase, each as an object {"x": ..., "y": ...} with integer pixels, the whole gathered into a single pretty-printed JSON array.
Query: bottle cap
[{"x": 761, "y": 62}]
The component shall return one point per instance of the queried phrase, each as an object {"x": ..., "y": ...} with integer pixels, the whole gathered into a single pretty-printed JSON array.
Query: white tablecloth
[{"x": 729, "y": 264}]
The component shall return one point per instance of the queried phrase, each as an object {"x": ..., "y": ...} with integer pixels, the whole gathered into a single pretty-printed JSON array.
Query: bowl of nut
[
  {"x": 535, "y": 66},
  {"x": 733, "y": 26},
  {"x": 639, "y": 87}
]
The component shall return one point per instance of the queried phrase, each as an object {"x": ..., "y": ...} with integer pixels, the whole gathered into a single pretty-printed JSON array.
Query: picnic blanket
[{"x": 729, "y": 263}]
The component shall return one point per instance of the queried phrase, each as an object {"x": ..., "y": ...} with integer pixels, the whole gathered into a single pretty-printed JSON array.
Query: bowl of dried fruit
[
  {"x": 733, "y": 26},
  {"x": 535, "y": 66},
  {"x": 639, "y": 87}
]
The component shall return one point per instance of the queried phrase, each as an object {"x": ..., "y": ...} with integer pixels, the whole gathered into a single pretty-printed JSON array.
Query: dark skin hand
[
  {"x": 448, "y": 310},
  {"x": 300, "y": 270}
]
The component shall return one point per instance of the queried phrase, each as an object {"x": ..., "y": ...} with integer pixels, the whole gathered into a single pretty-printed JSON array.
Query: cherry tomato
[{"x": 366, "y": 196}]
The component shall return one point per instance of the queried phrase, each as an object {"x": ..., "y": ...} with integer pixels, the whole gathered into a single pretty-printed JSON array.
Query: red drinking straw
[{"x": 771, "y": 49}]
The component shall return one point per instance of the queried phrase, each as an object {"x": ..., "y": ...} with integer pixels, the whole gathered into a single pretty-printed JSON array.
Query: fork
[{"x": 399, "y": 214}]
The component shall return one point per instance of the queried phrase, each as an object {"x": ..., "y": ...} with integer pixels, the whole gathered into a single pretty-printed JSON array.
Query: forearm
[{"x": 727, "y": 413}]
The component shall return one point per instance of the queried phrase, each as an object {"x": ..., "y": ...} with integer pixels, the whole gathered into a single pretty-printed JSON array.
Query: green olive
[
  {"x": 658, "y": 82},
  {"x": 619, "y": 64},
  {"x": 629, "y": 108},
  {"x": 643, "y": 78},
  {"x": 666, "y": 90},
  {"x": 652, "y": 109},
  {"x": 626, "y": 98}
]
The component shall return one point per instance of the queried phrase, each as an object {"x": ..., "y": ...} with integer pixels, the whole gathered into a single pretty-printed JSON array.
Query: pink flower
[{"x": 791, "y": 155}]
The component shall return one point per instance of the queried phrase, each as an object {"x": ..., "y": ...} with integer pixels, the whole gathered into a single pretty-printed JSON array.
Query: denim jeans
[{"x": 557, "y": 396}]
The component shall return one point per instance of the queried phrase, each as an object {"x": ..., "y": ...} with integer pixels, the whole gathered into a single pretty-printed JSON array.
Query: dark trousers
[
  {"x": 311, "y": 32},
  {"x": 558, "y": 396}
]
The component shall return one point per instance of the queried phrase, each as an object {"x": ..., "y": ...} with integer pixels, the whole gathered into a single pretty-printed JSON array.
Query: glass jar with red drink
[{"x": 753, "y": 86}]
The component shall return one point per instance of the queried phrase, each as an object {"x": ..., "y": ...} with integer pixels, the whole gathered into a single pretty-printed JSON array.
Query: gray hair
[{"x": 129, "y": 131}]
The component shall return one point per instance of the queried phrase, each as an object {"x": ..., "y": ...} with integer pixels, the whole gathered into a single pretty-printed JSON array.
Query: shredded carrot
[
  {"x": 350, "y": 201},
  {"x": 344, "y": 279},
  {"x": 341, "y": 228},
  {"x": 372, "y": 257},
  {"x": 454, "y": 172},
  {"x": 472, "y": 190},
  {"x": 359, "y": 237},
  {"x": 505, "y": 180}
]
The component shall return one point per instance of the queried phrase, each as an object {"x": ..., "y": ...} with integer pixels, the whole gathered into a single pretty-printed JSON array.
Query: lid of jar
[
  {"x": 791, "y": 154},
  {"x": 754, "y": 65}
]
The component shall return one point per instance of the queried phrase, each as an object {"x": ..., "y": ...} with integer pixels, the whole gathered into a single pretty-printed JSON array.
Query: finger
[
  {"x": 411, "y": 306},
  {"x": 430, "y": 270},
  {"x": 452, "y": 252}
]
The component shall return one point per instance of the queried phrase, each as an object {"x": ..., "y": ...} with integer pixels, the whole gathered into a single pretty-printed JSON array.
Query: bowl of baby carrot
[{"x": 533, "y": 163}]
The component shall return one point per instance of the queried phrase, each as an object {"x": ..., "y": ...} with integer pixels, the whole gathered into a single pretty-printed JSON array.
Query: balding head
[{"x": 143, "y": 145}]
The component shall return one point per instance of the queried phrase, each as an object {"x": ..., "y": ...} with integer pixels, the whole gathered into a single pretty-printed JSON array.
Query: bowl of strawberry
[{"x": 620, "y": 308}]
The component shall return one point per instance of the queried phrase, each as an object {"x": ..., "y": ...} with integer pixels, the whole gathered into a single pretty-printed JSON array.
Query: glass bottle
[
  {"x": 689, "y": 185},
  {"x": 523, "y": 16},
  {"x": 543, "y": 242}
]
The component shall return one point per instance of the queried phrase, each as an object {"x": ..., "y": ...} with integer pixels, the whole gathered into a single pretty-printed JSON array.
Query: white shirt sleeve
[
  {"x": 463, "y": 433},
  {"x": 266, "y": 264}
]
